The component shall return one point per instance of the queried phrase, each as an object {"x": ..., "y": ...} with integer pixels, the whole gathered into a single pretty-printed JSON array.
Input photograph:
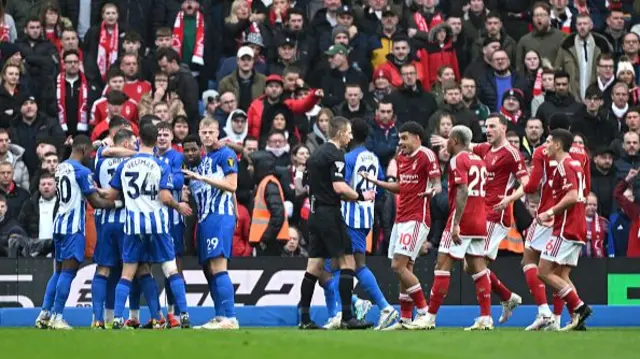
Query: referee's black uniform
[{"x": 328, "y": 236}]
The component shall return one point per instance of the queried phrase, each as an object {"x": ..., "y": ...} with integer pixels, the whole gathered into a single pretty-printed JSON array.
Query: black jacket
[
  {"x": 264, "y": 165},
  {"x": 164, "y": 13},
  {"x": 599, "y": 130},
  {"x": 488, "y": 92},
  {"x": 25, "y": 135},
  {"x": 71, "y": 10},
  {"x": 602, "y": 184},
  {"x": 136, "y": 15},
  {"x": 9, "y": 106},
  {"x": 413, "y": 105},
  {"x": 40, "y": 61},
  {"x": 16, "y": 196},
  {"x": 461, "y": 116},
  {"x": 554, "y": 104},
  {"x": 334, "y": 83},
  {"x": 186, "y": 86},
  {"x": 29, "y": 217},
  {"x": 364, "y": 111}
]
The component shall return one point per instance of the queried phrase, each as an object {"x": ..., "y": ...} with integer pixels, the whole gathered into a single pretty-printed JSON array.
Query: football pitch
[{"x": 280, "y": 343}]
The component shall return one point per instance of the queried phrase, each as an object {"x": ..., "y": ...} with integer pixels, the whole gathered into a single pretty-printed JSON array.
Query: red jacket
[
  {"x": 438, "y": 56},
  {"x": 133, "y": 89},
  {"x": 99, "y": 111},
  {"x": 396, "y": 79},
  {"x": 241, "y": 247},
  {"x": 298, "y": 107},
  {"x": 633, "y": 212}
]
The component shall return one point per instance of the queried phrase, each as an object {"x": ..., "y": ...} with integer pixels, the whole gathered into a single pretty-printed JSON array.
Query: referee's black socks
[
  {"x": 306, "y": 294},
  {"x": 346, "y": 289}
]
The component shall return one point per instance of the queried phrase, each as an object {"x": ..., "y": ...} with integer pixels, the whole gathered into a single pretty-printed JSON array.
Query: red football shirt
[
  {"x": 571, "y": 223},
  {"x": 99, "y": 111},
  {"x": 468, "y": 169},
  {"x": 414, "y": 172},
  {"x": 133, "y": 89},
  {"x": 504, "y": 167}
]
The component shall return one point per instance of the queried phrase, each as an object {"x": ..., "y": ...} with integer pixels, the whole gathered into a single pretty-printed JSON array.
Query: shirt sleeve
[
  {"x": 166, "y": 177},
  {"x": 176, "y": 170},
  {"x": 519, "y": 167},
  {"x": 481, "y": 149},
  {"x": 570, "y": 179},
  {"x": 537, "y": 170},
  {"x": 84, "y": 177},
  {"x": 337, "y": 166},
  {"x": 116, "y": 182},
  {"x": 229, "y": 163},
  {"x": 433, "y": 165},
  {"x": 460, "y": 171}
]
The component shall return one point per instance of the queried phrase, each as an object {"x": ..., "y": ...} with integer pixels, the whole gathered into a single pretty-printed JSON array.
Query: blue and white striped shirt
[
  {"x": 105, "y": 169},
  {"x": 140, "y": 179},
  {"x": 360, "y": 214},
  {"x": 174, "y": 160},
  {"x": 73, "y": 182},
  {"x": 210, "y": 200}
]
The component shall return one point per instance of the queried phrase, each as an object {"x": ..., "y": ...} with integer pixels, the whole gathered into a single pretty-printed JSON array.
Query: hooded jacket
[
  {"x": 264, "y": 164},
  {"x": 20, "y": 172},
  {"x": 227, "y": 131},
  {"x": 392, "y": 68},
  {"x": 553, "y": 104},
  {"x": 440, "y": 55},
  {"x": 413, "y": 105},
  {"x": 507, "y": 43},
  {"x": 257, "y": 107}
]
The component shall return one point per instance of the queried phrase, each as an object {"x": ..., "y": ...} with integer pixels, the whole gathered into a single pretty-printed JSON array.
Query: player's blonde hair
[
  {"x": 463, "y": 133},
  {"x": 208, "y": 121}
]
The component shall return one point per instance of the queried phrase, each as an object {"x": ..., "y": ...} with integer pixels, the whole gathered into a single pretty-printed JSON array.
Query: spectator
[
  {"x": 72, "y": 91},
  {"x": 474, "y": 17},
  {"x": 102, "y": 46},
  {"x": 189, "y": 39},
  {"x": 138, "y": 16},
  {"x": 318, "y": 136},
  {"x": 579, "y": 62},
  {"x": 9, "y": 99},
  {"x": 69, "y": 40},
  {"x": 461, "y": 114},
  {"x": 605, "y": 76},
  {"x": 445, "y": 75},
  {"x": 240, "y": 23},
  {"x": 163, "y": 40},
  {"x": 631, "y": 47},
  {"x": 615, "y": 30},
  {"x": 182, "y": 82},
  {"x": 382, "y": 42},
  {"x": 493, "y": 30},
  {"x": 245, "y": 83},
  {"x": 235, "y": 130},
  {"x": 603, "y": 179},
  {"x": 619, "y": 105},
  {"x": 226, "y": 105},
  {"x": 383, "y": 136},
  {"x": 357, "y": 54},
  {"x": 593, "y": 121},
  {"x": 180, "y": 131},
  {"x": 253, "y": 41},
  {"x": 82, "y": 14},
  {"x": 353, "y": 105},
  {"x": 27, "y": 128},
  {"x": 246, "y": 184},
  {"x": 562, "y": 18},
  {"x": 8, "y": 31},
  {"x": 560, "y": 101},
  {"x": 411, "y": 100},
  {"x": 533, "y": 136},
  {"x": 132, "y": 44},
  {"x": 100, "y": 109},
  {"x": 440, "y": 52},
  {"x": 297, "y": 28},
  {"x": 269, "y": 224},
  {"x": 241, "y": 246},
  {"x": 36, "y": 217},
  {"x": 340, "y": 73},
  {"x": 629, "y": 158},
  {"x": 53, "y": 23},
  {"x": 544, "y": 39},
  {"x": 401, "y": 55},
  {"x": 533, "y": 68},
  {"x": 277, "y": 144},
  {"x": 547, "y": 76},
  {"x": 273, "y": 96},
  {"x": 134, "y": 86},
  {"x": 15, "y": 196},
  {"x": 596, "y": 230},
  {"x": 482, "y": 65},
  {"x": 370, "y": 15},
  {"x": 499, "y": 80},
  {"x": 21, "y": 10},
  {"x": 513, "y": 109},
  {"x": 470, "y": 100},
  {"x": 12, "y": 153},
  {"x": 293, "y": 248},
  {"x": 459, "y": 42},
  {"x": 48, "y": 163},
  {"x": 514, "y": 139},
  {"x": 116, "y": 106},
  {"x": 381, "y": 86},
  {"x": 162, "y": 111},
  {"x": 9, "y": 229},
  {"x": 630, "y": 246}
]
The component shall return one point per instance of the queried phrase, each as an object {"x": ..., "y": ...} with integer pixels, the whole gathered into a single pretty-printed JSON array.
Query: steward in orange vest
[{"x": 269, "y": 225}]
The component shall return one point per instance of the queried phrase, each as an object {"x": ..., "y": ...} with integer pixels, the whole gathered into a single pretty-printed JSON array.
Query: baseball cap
[
  {"x": 337, "y": 49},
  {"x": 209, "y": 95},
  {"x": 286, "y": 41},
  {"x": 238, "y": 113},
  {"x": 389, "y": 11},
  {"x": 273, "y": 78},
  {"x": 28, "y": 98},
  {"x": 345, "y": 10},
  {"x": 245, "y": 51}
]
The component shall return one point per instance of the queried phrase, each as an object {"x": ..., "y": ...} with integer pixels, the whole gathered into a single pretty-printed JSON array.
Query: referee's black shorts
[{"x": 328, "y": 237}]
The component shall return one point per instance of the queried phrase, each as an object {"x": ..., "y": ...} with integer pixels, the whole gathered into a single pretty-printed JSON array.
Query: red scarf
[
  {"x": 5, "y": 33},
  {"x": 583, "y": 9},
  {"x": 613, "y": 4},
  {"x": 53, "y": 37},
  {"x": 61, "y": 96},
  {"x": 537, "y": 84},
  {"x": 422, "y": 25},
  {"x": 566, "y": 25},
  {"x": 107, "y": 49},
  {"x": 512, "y": 117},
  {"x": 178, "y": 37},
  {"x": 81, "y": 55},
  {"x": 385, "y": 126},
  {"x": 595, "y": 239}
]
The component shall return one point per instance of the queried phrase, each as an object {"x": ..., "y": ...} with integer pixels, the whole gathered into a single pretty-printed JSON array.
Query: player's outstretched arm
[
  {"x": 229, "y": 183},
  {"x": 118, "y": 152},
  {"x": 166, "y": 197},
  {"x": 98, "y": 202},
  {"x": 435, "y": 187},
  {"x": 567, "y": 201},
  {"x": 392, "y": 187},
  {"x": 516, "y": 195},
  {"x": 348, "y": 194}
]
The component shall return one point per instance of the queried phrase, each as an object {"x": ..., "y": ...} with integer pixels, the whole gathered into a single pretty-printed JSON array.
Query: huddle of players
[
  {"x": 140, "y": 194},
  {"x": 481, "y": 186}
]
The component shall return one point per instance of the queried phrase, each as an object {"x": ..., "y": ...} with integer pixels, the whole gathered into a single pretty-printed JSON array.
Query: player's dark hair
[
  {"x": 50, "y": 153},
  {"x": 559, "y": 120},
  {"x": 149, "y": 135},
  {"x": 46, "y": 175},
  {"x": 169, "y": 53},
  {"x": 413, "y": 128},
  {"x": 193, "y": 138},
  {"x": 564, "y": 137},
  {"x": 164, "y": 125},
  {"x": 360, "y": 130},
  {"x": 249, "y": 138},
  {"x": 122, "y": 135},
  {"x": 336, "y": 125},
  {"x": 148, "y": 120},
  {"x": 116, "y": 98},
  {"x": 117, "y": 122},
  {"x": 80, "y": 142},
  {"x": 503, "y": 120},
  {"x": 560, "y": 74}
]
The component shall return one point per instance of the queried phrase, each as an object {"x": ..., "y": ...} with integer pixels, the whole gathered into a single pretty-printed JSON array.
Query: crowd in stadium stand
[{"x": 273, "y": 73}]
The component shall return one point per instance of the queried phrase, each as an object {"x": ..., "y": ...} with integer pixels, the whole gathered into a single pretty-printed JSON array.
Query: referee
[{"x": 328, "y": 235}]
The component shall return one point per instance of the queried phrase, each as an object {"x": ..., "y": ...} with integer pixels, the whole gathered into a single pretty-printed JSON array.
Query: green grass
[{"x": 291, "y": 343}]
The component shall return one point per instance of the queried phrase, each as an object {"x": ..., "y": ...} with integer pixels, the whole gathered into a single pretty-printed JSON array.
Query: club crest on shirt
[
  {"x": 414, "y": 165},
  {"x": 230, "y": 161}
]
